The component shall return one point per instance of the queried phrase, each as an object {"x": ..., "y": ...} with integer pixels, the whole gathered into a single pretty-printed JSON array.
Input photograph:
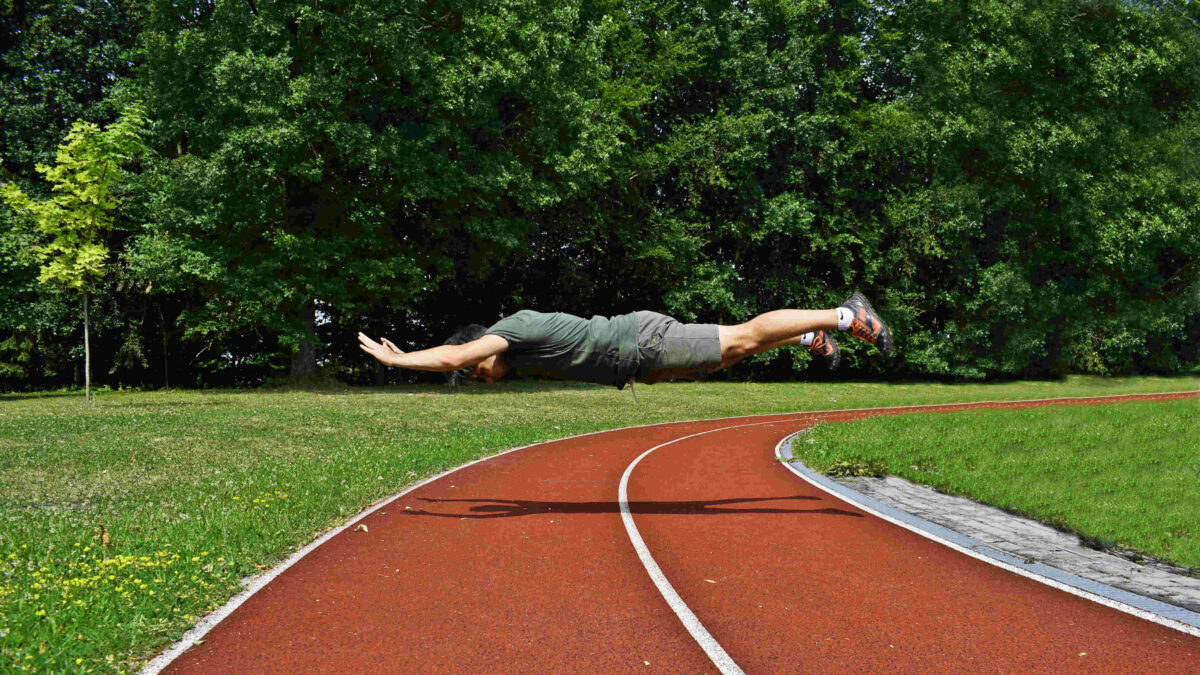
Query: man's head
[
  {"x": 490, "y": 369},
  {"x": 461, "y": 336}
]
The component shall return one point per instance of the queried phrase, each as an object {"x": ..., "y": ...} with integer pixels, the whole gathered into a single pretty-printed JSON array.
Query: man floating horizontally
[{"x": 644, "y": 346}]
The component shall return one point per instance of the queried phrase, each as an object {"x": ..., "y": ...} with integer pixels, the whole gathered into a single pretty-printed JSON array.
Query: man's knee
[{"x": 737, "y": 342}]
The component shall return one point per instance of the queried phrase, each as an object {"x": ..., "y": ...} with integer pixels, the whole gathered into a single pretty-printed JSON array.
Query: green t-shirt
[{"x": 565, "y": 346}]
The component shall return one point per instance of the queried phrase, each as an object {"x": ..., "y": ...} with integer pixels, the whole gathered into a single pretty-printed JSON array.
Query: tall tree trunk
[
  {"x": 162, "y": 322},
  {"x": 87, "y": 354},
  {"x": 304, "y": 361}
]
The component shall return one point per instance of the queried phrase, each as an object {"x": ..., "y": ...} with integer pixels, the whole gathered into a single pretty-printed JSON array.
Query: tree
[
  {"x": 74, "y": 220},
  {"x": 342, "y": 156},
  {"x": 1045, "y": 208},
  {"x": 60, "y": 60}
]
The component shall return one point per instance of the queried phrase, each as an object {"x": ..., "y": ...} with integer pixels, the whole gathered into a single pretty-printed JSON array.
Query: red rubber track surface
[{"x": 521, "y": 564}]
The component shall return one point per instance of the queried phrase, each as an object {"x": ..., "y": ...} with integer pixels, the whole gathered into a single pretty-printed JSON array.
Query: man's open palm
[{"x": 381, "y": 352}]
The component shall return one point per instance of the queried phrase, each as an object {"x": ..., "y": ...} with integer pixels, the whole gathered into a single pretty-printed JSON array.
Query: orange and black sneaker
[
  {"x": 826, "y": 346},
  {"x": 866, "y": 324}
]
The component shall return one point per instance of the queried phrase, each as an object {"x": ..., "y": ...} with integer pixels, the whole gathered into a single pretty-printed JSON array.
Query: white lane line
[
  {"x": 194, "y": 635},
  {"x": 210, "y": 621},
  {"x": 707, "y": 642},
  {"x": 1035, "y": 571}
]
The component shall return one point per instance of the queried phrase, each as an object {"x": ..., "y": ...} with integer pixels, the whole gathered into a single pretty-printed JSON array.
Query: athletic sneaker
[
  {"x": 825, "y": 345},
  {"x": 866, "y": 324}
]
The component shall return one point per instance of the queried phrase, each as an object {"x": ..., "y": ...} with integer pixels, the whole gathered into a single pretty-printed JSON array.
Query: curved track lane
[{"x": 522, "y": 564}]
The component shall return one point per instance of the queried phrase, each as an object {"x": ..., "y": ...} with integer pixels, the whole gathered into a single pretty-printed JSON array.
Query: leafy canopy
[{"x": 79, "y": 211}]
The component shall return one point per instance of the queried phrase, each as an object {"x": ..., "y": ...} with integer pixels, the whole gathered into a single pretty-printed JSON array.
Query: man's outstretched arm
[{"x": 441, "y": 359}]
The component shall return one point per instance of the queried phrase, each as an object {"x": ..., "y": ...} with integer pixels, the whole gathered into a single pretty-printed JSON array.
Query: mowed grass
[
  {"x": 1123, "y": 475},
  {"x": 121, "y": 524}
]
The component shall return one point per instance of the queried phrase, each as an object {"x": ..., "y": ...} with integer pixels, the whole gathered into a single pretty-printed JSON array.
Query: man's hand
[{"x": 384, "y": 353}]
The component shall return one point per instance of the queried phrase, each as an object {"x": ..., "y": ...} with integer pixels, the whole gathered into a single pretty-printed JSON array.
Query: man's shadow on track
[{"x": 509, "y": 508}]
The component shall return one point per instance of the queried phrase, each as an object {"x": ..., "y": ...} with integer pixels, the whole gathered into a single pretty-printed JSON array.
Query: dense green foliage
[
  {"x": 85, "y": 178},
  {"x": 1015, "y": 183}
]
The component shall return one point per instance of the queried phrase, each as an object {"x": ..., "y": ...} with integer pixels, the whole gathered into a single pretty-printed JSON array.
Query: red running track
[{"x": 521, "y": 564}]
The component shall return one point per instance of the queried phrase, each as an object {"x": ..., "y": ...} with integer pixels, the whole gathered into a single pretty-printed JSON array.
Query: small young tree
[{"x": 76, "y": 216}]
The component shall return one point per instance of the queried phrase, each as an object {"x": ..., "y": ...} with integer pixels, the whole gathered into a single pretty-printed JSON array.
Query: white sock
[
  {"x": 807, "y": 339},
  {"x": 845, "y": 316}
]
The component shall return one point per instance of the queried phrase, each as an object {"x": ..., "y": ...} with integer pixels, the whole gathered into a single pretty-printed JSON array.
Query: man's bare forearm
[{"x": 441, "y": 359}]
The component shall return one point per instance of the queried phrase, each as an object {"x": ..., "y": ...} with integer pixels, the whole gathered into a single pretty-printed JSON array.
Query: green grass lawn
[
  {"x": 121, "y": 524},
  {"x": 1125, "y": 475}
]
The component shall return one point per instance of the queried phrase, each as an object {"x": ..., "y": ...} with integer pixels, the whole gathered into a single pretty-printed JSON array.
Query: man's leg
[
  {"x": 771, "y": 330},
  {"x": 788, "y": 327}
]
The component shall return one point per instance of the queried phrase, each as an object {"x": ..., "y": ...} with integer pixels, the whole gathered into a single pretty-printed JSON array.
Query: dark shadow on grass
[
  {"x": 470, "y": 388},
  {"x": 508, "y": 508},
  {"x": 23, "y": 396},
  {"x": 326, "y": 391},
  {"x": 473, "y": 388}
]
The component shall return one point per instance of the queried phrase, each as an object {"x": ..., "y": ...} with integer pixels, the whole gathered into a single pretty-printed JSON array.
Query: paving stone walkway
[{"x": 1030, "y": 539}]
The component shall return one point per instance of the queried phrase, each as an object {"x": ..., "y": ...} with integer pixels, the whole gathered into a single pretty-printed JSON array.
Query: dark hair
[{"x": 461, "y": 336}]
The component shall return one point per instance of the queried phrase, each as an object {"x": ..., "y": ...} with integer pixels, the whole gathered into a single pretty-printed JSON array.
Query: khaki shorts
[{"x": 665, "y": 344}]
